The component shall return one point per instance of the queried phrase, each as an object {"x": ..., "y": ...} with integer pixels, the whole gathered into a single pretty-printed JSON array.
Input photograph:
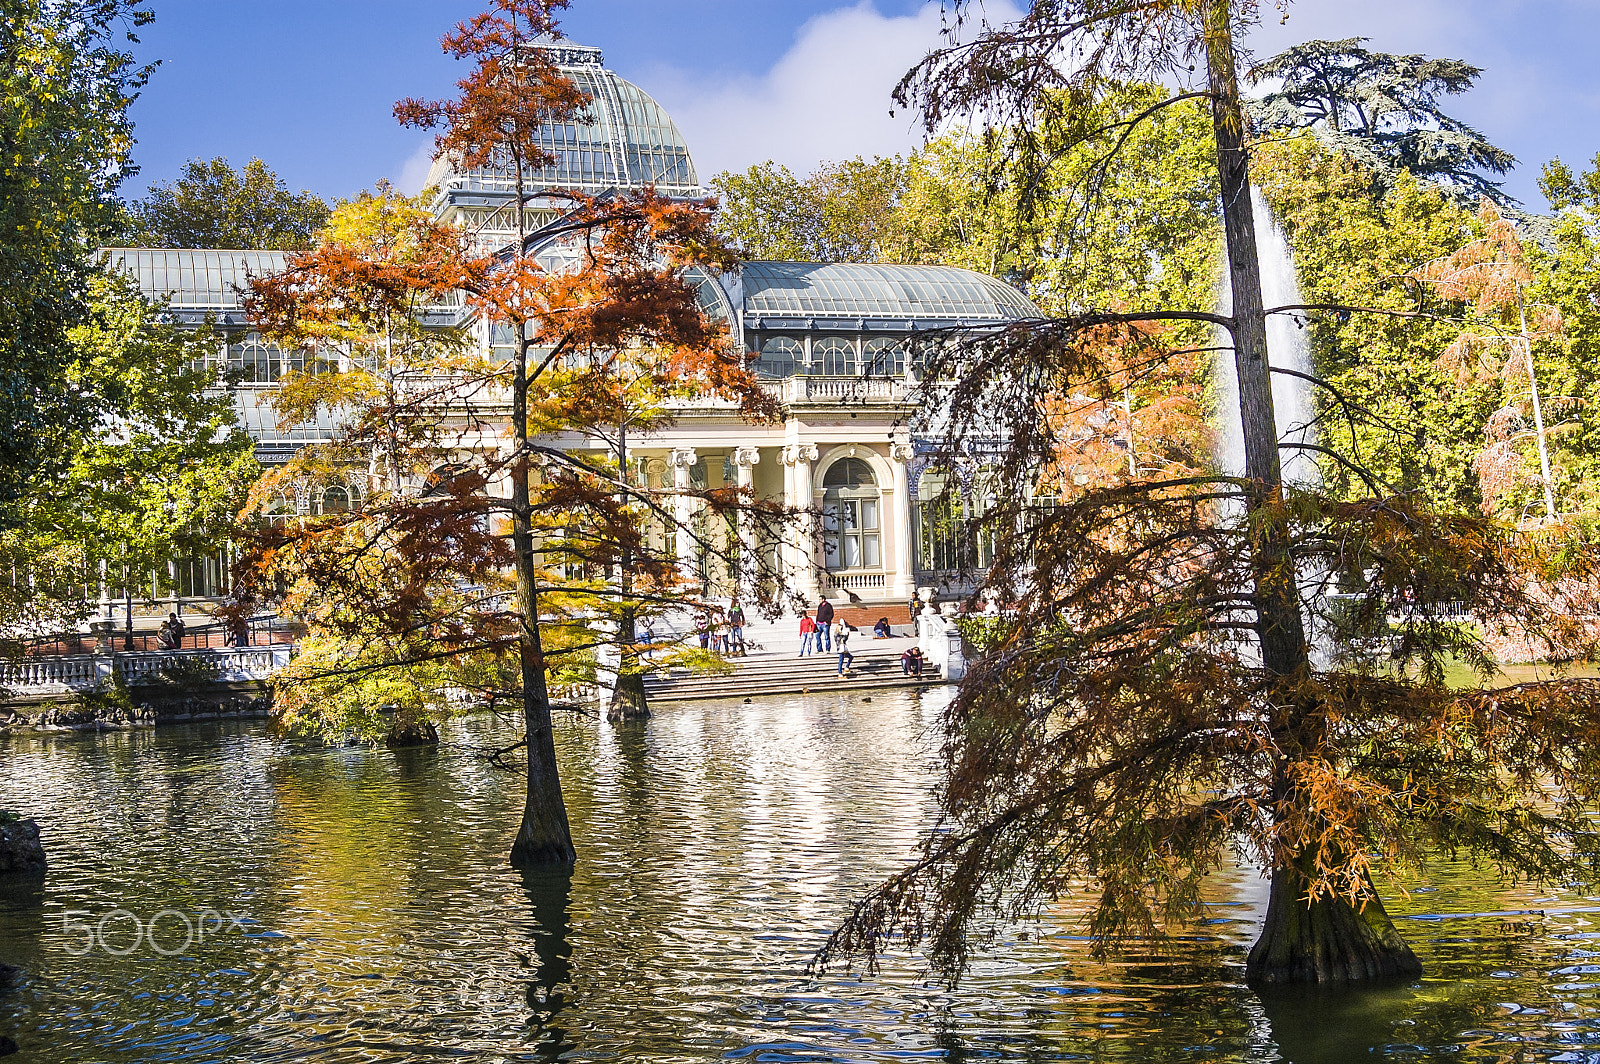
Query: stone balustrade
[
  {"x": 844, "y": 390},
  {"x": 84, "y": 672}
]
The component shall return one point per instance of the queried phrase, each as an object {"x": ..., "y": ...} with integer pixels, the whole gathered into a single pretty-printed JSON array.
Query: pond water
[{"x": 354, "y": 905}]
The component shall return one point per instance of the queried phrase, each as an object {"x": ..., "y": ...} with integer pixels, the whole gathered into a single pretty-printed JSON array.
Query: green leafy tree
[
  {"x": 64, "y": 143},
  {"x": 1567, "y": 278},
  {"x": 1383, "y": 111},
  {"x": 843, "y": 212},
  {"x": 1421, "y": 429},
  {"x": 157, "y": 477},
  {"x": 212, "y": 205}
]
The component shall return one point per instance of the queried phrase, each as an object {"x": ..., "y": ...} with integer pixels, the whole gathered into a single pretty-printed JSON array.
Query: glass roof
[
  {"x": 184, "y": 279},
  {"x": 211, "y": 281},
  {"x": 625, "y": 140},
  {"x": 874, "y": 290}
]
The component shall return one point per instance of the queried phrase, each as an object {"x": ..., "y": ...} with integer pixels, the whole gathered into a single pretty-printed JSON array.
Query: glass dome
[{"x": 625, "y": 140}]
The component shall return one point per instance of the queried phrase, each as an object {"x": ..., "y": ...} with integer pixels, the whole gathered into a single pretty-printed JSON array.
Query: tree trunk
[
  {"x": 1326, "y": 940},
  {"x": 628, "y": 701},
  {"x": 1323, "y": 941},
  {"x": 545, "y": 838},
  {"x": 544, "y": 841},
  {"x": 1282, "y": 635}
]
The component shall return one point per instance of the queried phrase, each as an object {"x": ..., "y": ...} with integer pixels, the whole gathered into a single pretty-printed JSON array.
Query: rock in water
[
  {"x": 21, "y": 853},
  {"x": 7, "y": 1047},
  {"x": 9, "y": 975}
]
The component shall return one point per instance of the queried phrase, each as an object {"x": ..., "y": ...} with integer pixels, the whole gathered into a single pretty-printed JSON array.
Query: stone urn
[{"x": 21, "y": 853}]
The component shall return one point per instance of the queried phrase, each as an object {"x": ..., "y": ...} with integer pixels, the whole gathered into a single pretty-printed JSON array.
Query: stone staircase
[{"x": 774, "y": 667}]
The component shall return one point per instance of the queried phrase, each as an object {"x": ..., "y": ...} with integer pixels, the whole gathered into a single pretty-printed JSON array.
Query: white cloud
[
  {"x": 414, "y": 171},
  {"x": 827, "y": 98}
]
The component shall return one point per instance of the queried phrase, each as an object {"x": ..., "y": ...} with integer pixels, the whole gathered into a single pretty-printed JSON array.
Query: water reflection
[
  {"x": 549, "y": 895},
  {"x": 377, "y": 920}
]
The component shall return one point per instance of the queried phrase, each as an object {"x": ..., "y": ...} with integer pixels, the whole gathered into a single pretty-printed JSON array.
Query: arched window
[
  {"x": 834, "y": 356},
  {"x": 256, "y": 362},
  {"x": 851, "y": 516},
  {"x": 336, "y": 500},
  {"x": 780, "y": 357},
  {"x": 884, "y": 357}
]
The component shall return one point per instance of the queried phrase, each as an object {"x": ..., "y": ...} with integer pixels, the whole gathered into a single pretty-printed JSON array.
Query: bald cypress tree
[{"x": 1155, "y": 708}]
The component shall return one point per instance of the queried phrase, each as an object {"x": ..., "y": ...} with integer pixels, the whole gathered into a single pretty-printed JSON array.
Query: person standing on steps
[
  {"x": 736, "y": 629},
  {"x": 824, "y": 624},
  {"x": 808, "y": 634},
  {"x": 841, "y": 640}
]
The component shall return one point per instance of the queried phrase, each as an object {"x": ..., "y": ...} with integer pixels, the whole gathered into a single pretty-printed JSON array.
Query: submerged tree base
[
  {"x": 628, "y": 701},
  {"x": 535, "y": 855},
  {"x": 1325, "y": 941},
  {"x": 411, "y": 733}
]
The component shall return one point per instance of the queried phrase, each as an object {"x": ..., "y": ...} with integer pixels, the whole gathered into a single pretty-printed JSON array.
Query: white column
[
  {"x": 799, "y": 457},
  {"x": 786, "y": 562},
  {"x": 682, "y": 460},
  {"x": 745, "y": 460},
  {"x": 904, "y": 564}
]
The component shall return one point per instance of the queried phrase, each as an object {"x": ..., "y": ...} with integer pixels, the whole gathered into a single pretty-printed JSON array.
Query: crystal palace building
[{"x": 834, "y": 341}]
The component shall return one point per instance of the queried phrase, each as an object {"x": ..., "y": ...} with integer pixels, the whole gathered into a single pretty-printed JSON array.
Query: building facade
[{"x": 838, "y": 344}]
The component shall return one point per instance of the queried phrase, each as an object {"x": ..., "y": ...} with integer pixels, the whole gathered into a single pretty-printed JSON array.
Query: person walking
[
  {"x": 808, "y": 634},
  {"x": 824, "y": 624},
  {"x": 736, "y": 631},
  {"x": 841, "y": 641}
]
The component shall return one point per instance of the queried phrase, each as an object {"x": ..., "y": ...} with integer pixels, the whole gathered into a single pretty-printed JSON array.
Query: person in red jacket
[{"x": 808, "y": 634}]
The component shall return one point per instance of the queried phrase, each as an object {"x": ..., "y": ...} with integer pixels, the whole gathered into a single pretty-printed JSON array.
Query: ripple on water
[{"x": 376, "y": 921}]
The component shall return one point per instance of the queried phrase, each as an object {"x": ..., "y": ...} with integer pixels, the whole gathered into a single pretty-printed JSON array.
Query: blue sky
[{"x": 308, "y": 85}]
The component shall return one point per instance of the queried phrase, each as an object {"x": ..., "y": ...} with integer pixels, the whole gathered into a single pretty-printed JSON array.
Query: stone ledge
[{"x": 55, "y": 715}]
